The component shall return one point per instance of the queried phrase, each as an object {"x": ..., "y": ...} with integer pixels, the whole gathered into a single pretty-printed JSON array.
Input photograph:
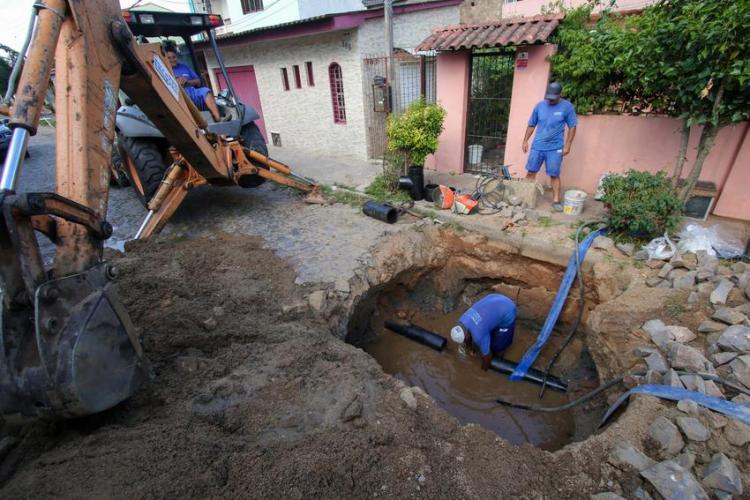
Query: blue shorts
[
  {"x": 502, "y": 338},
  {"x": 197, "y": 95},
  {"x": 552, "y": 161}
]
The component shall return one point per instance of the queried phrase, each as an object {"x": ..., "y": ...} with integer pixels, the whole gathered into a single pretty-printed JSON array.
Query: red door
[{"x": 244, "y": 83}]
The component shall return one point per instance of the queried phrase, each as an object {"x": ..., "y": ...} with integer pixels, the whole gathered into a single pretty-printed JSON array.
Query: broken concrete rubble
[
  {"x": 721, "y": 292},
  {"x": 681, "y": 356},
  {"x": 729, "y": 316},
  {"x": 666, "y": 436},
  {"x": 681, "y": 334},
  {"x": 735, "y": 338},
  {"x": 693, "y": 429},
  {"x": 626, "y": 455},
  {"x": 673, "y": 481},
  {"x": 658, "y": 332},
  {"x": 722, "y": 474}
]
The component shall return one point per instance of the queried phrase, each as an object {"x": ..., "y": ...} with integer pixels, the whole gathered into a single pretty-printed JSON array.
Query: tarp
[
  {"x": 740, "y": 412},
  {"x": 562, "y": 294}
]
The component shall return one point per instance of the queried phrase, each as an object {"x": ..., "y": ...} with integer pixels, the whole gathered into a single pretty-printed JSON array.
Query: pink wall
[
  {"x": 529, "y": 8},
  {"x": 734, "y": 201},
  {"x": 453, "y": 95}
]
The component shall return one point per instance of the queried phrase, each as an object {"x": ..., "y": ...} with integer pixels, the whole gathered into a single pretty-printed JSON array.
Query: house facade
[
  {"x": 491, "y": 74},
  {"x": 315, "y": 79}
]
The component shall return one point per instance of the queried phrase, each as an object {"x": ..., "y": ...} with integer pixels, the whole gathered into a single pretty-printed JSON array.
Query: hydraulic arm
[{"x": 67, "y": 345}]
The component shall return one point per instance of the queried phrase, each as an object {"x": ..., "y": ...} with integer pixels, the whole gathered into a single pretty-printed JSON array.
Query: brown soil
[{"x": 268, "y": 403}]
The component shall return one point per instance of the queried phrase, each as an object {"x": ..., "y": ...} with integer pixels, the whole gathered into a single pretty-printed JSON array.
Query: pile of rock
[
  {"x": 703, "y": 275},
  {"x": 679, "y": 457}
]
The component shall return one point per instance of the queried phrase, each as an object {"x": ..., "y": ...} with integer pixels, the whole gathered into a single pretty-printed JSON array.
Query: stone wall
[{"x": 480, "y": 11}]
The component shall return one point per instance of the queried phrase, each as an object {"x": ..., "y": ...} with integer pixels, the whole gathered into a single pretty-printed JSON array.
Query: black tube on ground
[
  {"x": 428, "y": 190},
  {"x": 380, "y": 211},
  {"x": 507, "y": 367},
  {"x": 418, "y": 334}
]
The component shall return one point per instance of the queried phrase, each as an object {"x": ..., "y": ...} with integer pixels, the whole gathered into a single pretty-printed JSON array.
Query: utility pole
[{"x": 391, "y": 73}]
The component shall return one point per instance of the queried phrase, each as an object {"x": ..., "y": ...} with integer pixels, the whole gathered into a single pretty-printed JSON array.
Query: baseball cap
[
  {"x": 554, "y": 90},
  {"x": 458, "y": 334}
]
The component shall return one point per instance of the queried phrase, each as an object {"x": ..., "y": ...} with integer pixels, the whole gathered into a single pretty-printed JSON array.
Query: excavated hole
[{"x": 434, "y": 297}]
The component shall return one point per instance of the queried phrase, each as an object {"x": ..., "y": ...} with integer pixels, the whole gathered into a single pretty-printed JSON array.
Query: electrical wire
[
  {"x": 611, "y": 383},
  {"x": 489, "y": 191},
  {"x": 579, "y": 315}
]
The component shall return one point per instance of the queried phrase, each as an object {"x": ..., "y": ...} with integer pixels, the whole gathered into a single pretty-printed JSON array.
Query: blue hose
[
  {"x": 562, "y": 294},
  {"x": 740, "y": 412}
]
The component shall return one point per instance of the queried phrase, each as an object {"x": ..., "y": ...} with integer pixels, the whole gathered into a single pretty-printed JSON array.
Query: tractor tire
[
  {"x": 148, "y": 161},
  {"x": 118, "y": 177},
  {"x": 253, "y": 139}
]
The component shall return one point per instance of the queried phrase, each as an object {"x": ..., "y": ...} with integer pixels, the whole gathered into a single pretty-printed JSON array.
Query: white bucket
[
  {"x": 475, "y": 154},
  {"x": 574, "y": 202}
]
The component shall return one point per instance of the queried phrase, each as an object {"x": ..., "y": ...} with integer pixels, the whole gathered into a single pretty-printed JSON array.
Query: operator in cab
[
  {"x": 487, "y": 327},
  {"x": 201, "y": 96}
]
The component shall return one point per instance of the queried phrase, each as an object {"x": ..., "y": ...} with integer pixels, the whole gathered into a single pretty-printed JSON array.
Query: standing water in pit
[{"x": 462, "y": 389}]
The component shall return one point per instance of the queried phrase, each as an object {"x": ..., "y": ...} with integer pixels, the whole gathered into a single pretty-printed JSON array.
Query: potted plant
[{"x": 413, "y": 135}]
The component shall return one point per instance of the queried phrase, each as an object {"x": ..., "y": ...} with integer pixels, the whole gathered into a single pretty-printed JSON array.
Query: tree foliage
[
  {"x": 641, "y": 203},
  {"x": 414, "y": 133},
  {"x": 689, "y": 59}
]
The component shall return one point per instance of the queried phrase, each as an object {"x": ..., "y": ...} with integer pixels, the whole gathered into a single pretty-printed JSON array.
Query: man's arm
[
  {"x": 486, "y": 360},
  {"x": 569, "y": 140},
  {"x": 526, "y": 137}
]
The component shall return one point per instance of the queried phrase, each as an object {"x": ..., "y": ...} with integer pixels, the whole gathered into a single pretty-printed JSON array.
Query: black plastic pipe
[
  {"x": 418, "y": 334},
  {"x": 507, "y": 367},
  {"x": 416, "y": 174},
  {"x": 380, "y": 211}
]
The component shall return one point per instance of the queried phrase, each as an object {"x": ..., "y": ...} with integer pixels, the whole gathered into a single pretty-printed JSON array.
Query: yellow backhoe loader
[{"x": 67, "y": 345}]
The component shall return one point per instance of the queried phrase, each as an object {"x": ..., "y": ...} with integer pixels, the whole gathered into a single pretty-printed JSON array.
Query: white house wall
[
  {"x": 408, "y": 29},
  {"x": 312, "y": 8},
  {"x": 276, "y": 12},
  {"x": 304, "y": 117}
]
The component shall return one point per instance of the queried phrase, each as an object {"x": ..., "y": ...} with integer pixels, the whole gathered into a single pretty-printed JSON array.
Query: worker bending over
[
  {"x": 201, "y": 96},
  {"x": 487, "y": 327}
]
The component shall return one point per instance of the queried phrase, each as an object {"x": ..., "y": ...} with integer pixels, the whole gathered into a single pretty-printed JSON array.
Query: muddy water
[{"x": 460, "y": 387}]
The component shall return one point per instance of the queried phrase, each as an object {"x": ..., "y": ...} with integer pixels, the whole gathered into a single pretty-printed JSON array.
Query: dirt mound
[{"x": 252, "y": 396}]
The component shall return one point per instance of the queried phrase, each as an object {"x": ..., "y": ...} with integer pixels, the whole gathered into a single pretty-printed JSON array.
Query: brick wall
[{"x": 304, "y": 117}]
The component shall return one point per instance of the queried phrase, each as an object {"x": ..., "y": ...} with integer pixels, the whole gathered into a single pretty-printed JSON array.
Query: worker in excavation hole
[{"x": 487, "y": 327}]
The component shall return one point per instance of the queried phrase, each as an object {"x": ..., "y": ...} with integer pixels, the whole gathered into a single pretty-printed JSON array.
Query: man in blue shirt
[
  {"x": 487, "y": 327},
  {"x": 201, "y": 96},
  {"x": 550, "y": 144}
]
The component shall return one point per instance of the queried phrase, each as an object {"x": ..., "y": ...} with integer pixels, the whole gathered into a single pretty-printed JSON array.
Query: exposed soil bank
[{"x": 253, "y": 396}]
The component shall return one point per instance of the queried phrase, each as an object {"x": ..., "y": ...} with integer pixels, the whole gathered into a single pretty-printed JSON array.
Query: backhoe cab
[{"x": 142, "y": 148}]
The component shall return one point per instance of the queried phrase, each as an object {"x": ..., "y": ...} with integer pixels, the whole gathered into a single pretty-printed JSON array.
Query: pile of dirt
[{"x": 252, "y": 396}]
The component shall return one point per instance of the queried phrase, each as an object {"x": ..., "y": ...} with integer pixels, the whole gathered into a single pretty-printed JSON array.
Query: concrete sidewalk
[{"x": 343, "y": 171}]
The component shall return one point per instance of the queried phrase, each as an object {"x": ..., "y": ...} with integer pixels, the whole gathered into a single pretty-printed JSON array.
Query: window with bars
[
  {"x": 285, "y": 78},
  {"x": 249, "y": 6},
  {"x": 310, "y": 78},
  {"x": 337, "y": 93},
  {"x": 297, "y": 77}
]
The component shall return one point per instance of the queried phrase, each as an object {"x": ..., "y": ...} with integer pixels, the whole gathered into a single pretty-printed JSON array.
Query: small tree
[
  {"x": 414, "y": 133},
  {"x": 689, "y": 59}
]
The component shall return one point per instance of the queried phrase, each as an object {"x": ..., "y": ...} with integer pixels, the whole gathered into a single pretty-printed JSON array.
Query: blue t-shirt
[
  {"x": 184, "y": 70},
  {"x": 550, "y": 120},
  {"x": 494, "y": 314}
]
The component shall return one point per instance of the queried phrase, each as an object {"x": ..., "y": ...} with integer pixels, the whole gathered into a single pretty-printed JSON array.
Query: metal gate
[
  {"x": 415, "y": 78},
  {"x": 489, "y": 108}
]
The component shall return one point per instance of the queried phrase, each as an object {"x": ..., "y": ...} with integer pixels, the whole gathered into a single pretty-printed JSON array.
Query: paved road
[{"x": 324, "y": 243}]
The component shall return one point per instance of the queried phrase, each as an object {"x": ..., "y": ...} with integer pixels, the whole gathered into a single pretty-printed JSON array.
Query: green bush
[
  {"x": 414, "y": 133},
  {"x": 641, "y": 203}
]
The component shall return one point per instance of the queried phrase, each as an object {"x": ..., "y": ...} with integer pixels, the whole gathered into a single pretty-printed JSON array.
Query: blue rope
[{"x": 562, "y": 294}]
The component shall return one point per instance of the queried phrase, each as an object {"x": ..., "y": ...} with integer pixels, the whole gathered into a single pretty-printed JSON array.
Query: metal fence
[
  {"x": 489, "y": 109},
  {"x": 414, "y": 78}
]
